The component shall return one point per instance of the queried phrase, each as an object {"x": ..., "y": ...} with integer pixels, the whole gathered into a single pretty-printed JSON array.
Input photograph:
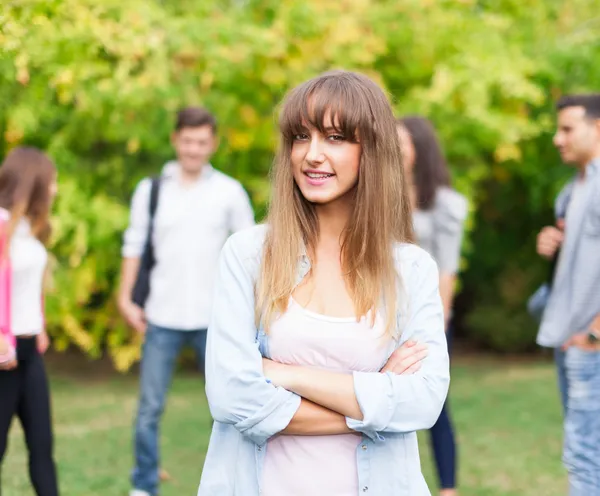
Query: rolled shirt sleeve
[
  {"x": 237, "y": 390},
  {"x": 134, "y": 238},
  {"x": 449, "y": 216},
  {"x": 407, "y": 403}
]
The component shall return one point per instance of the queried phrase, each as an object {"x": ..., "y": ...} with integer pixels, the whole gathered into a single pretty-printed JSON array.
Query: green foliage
[{"x": 97, "y": 84}]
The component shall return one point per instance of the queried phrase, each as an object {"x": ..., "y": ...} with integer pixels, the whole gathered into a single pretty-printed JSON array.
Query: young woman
[
  {"x": 438, "y": 217},
  {"x": 309, "y": 386},
  {"x": 27, "y": 188}
]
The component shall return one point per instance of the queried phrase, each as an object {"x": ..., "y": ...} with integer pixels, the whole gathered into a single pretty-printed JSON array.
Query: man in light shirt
[
  {"x": 571, "y": 319},
  {"x": 198, "y": 208}
]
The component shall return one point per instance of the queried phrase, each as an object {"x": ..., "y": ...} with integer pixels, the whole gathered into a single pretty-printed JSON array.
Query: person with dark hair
[
  {"x": 439, "y": 213},
  {"x": 570, "y": 311},
  {"x": 185, "y": 216},
  {"x": 195, "y": 117},
  {"x": 27, "y": 190}
]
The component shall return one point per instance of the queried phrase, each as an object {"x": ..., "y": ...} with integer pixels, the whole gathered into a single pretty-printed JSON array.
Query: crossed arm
[
  {"x": 406, "y": 395},
  {"x": 329, "y": 397}
]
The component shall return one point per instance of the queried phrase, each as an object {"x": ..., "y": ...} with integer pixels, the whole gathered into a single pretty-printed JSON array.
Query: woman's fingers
[
  {"x": 9, "y": 365},
  {"x": 407, "y": 350},
  {"x": 411, "y": 370},
  {"x": 403, "y": 359},
  {"x": 408, "y": 362}
]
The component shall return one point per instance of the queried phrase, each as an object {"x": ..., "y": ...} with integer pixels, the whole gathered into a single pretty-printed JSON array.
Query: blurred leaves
[{"x": 97, "y": 84}]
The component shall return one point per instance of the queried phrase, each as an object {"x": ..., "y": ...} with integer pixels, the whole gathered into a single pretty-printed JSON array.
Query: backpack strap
[{"x": 154, "y": 190}]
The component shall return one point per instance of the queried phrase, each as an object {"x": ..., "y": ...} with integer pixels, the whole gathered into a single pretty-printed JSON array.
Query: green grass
[{"x": 507, "y": 416}]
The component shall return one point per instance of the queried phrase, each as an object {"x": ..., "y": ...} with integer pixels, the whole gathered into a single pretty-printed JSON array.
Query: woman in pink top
[
  {"x": 313, "y": 376},
  {"x": 27, "y": 188}
]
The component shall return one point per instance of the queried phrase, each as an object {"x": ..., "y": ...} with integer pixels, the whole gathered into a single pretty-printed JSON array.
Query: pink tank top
[{"x": 320, "y": 465}]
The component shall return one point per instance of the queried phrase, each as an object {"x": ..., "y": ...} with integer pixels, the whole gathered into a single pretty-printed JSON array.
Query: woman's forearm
[
  {"x": 447, "y": 285},
  {"x": 315, "y": 420},
  {"x": 332, "y": 390},
  {"x": 3, "y": 345}
]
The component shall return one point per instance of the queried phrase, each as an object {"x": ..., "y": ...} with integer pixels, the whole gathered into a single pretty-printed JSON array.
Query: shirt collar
[
  {"x": 172, "y": 170},
  {"x": 593, "y": 167}
]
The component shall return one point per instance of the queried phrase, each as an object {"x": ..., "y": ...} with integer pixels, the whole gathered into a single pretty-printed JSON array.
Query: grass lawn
[{"x": 507, "y": 416}]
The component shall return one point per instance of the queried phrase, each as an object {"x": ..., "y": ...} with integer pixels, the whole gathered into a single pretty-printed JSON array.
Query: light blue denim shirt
[{"x": 248, "y": 410}]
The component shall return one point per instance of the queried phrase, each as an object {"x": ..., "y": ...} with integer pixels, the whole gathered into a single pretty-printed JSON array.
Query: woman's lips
[{"x": 318, "y": 178}]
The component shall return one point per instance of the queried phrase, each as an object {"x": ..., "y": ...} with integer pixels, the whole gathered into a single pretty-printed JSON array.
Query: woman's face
[
  {"x": 408, "y": 149},
  {"x": 325, "y": 166}
]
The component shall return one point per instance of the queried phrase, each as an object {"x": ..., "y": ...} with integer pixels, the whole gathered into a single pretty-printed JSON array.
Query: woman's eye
[
  {"x": 300, "y": 137},
  {"x": 336, "y": 137}
]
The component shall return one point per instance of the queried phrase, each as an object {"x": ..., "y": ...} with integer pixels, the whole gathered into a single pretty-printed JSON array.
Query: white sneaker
[{"x": 138, "y": 492}]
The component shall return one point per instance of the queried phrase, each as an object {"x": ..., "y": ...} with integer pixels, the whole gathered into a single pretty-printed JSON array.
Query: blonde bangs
[{"x": 310, "y": 106}]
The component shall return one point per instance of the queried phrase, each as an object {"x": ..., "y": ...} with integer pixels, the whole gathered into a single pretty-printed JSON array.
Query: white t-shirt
[
  {"x": 191, "y": 224},
  {"x": 28, "y": 258}
]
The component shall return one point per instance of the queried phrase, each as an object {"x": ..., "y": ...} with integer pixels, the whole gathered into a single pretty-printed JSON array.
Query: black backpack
[{"x": 141, "y": 288}]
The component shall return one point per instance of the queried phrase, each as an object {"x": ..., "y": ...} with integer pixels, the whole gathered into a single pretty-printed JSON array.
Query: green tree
[{"x": 96, "y": 84}]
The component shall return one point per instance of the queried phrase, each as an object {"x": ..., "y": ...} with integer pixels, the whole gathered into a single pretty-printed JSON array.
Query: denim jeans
[
  {"x": 579, "y": 383},
  {"x": 159, "y": 354}
]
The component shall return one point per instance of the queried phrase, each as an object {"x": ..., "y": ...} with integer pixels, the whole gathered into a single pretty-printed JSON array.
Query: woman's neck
[{"x": 333, "y": 219}]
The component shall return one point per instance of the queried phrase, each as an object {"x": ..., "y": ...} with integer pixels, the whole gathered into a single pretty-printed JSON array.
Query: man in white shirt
[{"x": 198, "y": 208}]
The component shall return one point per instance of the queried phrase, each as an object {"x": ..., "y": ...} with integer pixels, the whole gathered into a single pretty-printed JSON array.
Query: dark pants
[
  {"x": 443, "y": 443},
  {"x": 24, "y": 392},
  {"x": 159, "y": 354}
]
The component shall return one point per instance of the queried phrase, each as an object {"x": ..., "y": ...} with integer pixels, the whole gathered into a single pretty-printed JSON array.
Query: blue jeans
[
  {"x": 579, "y": 384},
  {"x": 159, "y": 354}
]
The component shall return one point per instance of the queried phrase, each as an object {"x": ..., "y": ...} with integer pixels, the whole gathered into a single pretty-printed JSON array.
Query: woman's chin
[
  {"x": 320, "y": 198},
  {"x": 324, "y": 196}
]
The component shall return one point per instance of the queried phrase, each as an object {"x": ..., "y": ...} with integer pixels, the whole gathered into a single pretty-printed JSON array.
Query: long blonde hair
[{"x": 381, "y": 213}]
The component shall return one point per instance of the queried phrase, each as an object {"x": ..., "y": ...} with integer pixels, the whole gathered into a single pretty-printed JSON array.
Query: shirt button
[
  {"x": 364, "y": 447},
  {"x": 365, "y": 489},
  {"x": 259, "y": 448}
]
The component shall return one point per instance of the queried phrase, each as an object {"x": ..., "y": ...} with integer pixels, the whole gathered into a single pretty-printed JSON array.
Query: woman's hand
[
  {"x": 4, "y": 350},
  {"x": 8, "y": 365},
  {"x": 4, "y": 346},
  {"x": 42, "y": 342},
  {"x": 406, "y": 359}
]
